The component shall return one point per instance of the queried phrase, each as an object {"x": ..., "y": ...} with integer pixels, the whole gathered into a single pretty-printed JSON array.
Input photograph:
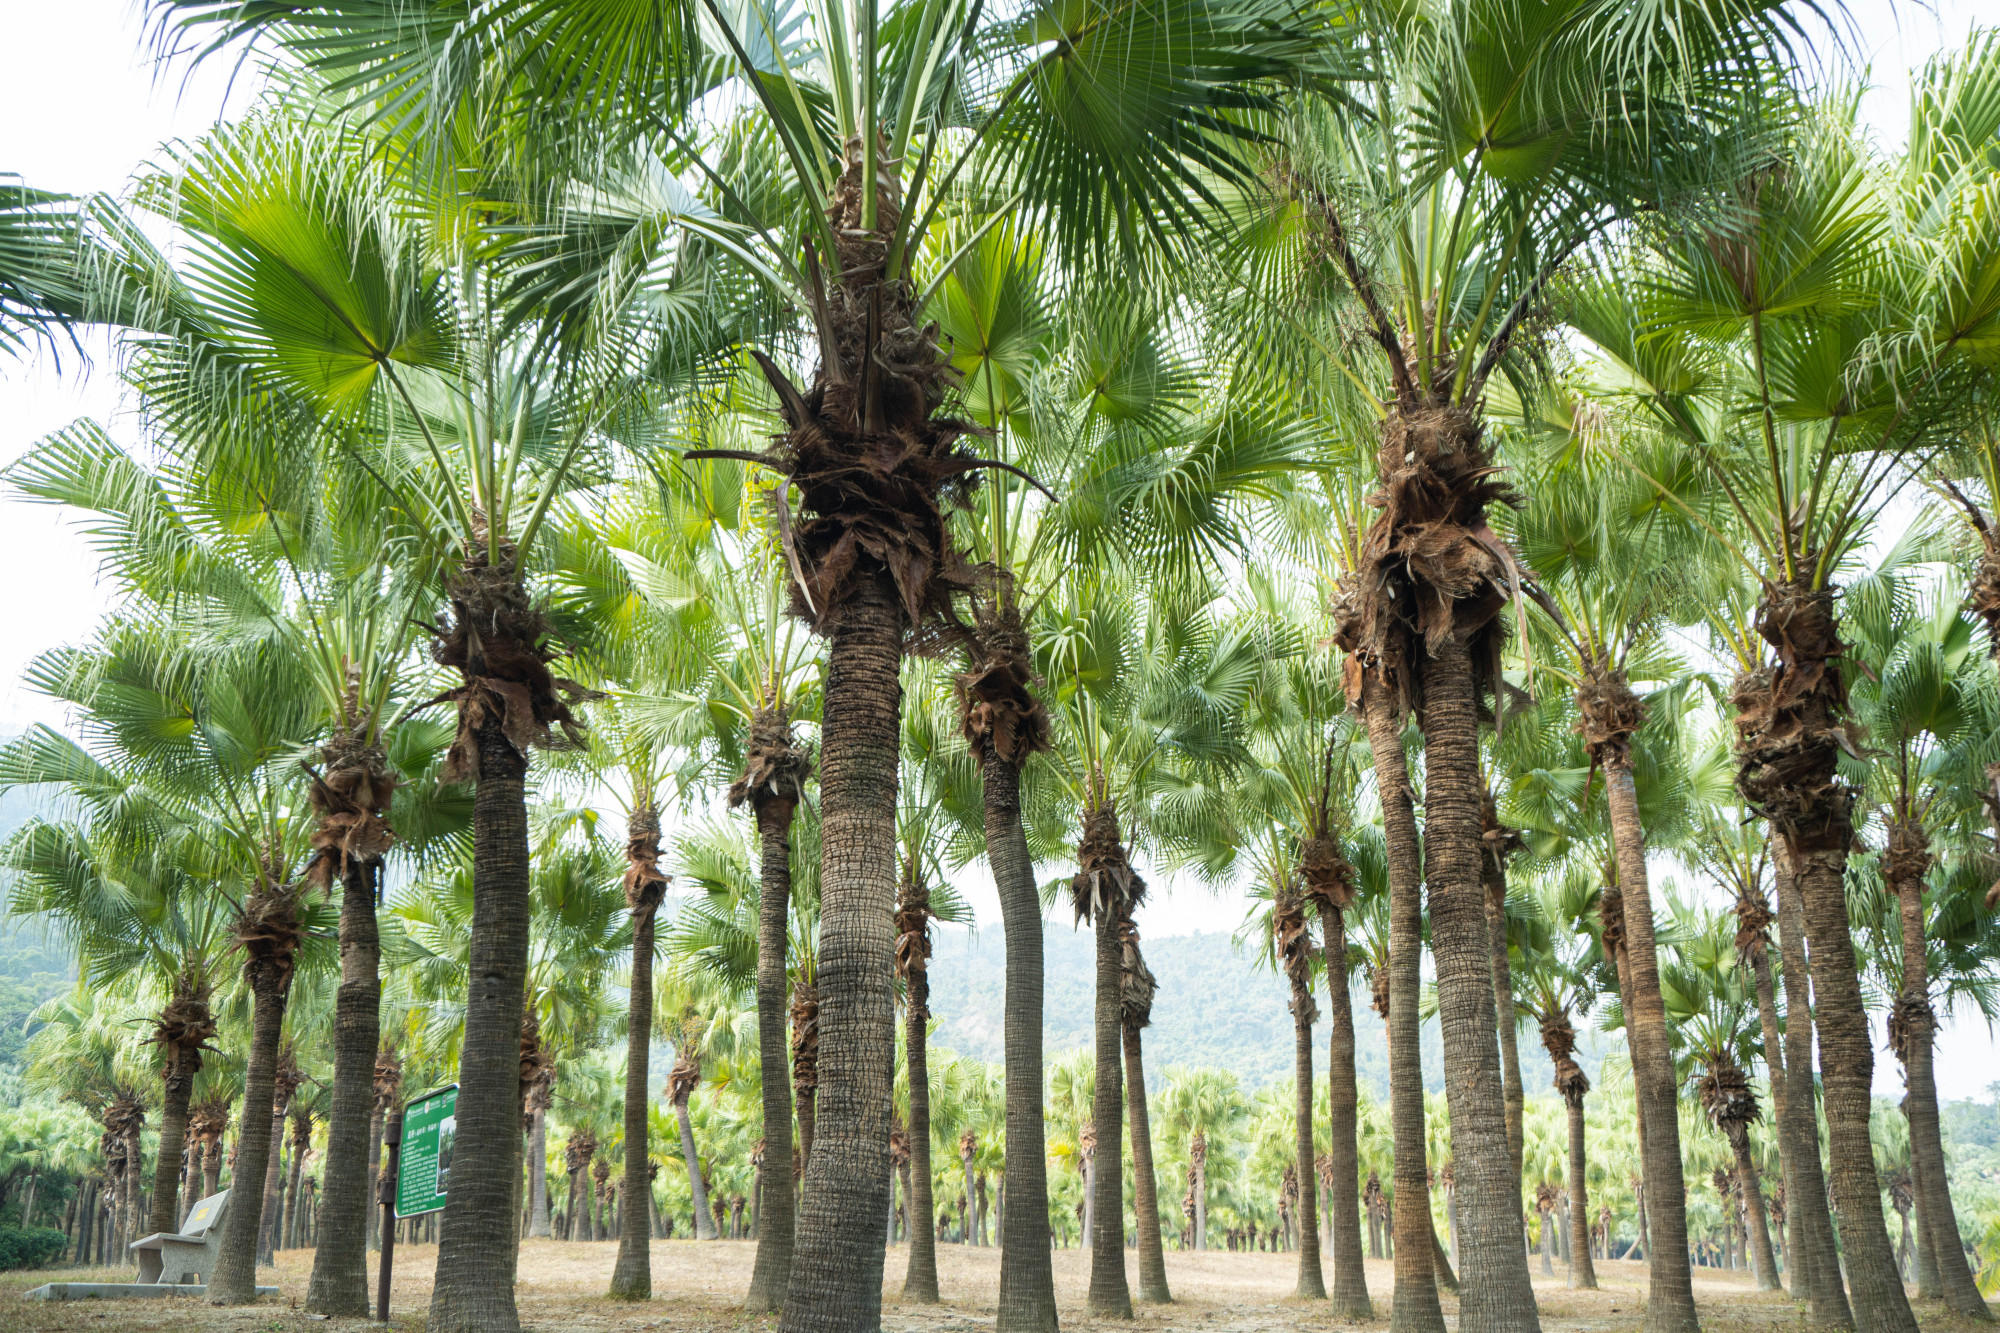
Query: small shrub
[{"x": 34, "y": 1248}]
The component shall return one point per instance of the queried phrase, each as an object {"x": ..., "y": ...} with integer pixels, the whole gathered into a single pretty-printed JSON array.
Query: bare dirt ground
[{"x": 697, "y": 1288}]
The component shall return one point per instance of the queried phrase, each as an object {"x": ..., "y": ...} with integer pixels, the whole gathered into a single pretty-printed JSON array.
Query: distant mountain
[{"x": 1216, "y": 1006}]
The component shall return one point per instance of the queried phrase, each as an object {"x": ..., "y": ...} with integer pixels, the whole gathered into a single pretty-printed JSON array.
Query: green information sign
[{"x": 430, "y": 1126}]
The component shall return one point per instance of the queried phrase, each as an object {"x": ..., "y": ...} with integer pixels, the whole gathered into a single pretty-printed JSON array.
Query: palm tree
[
  {"x": 1924, "y": 704},
  {"x": 1557, "y": 990},
  {"x": 1712, "y": 1018},
  {"x": 220, "y": 795},
  {"x": 1137, "y": 988},
  {"x": 1444, "y": 244},
  {"x": 135, "y": 919},
  {"x": 913, "y": 951},
  {"x": 1797, "y": 474},
  {"x": 1202, "y": 1110}
]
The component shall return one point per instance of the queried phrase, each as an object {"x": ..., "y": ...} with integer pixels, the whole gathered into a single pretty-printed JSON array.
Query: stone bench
[
  {"x": 188, "y": 1255},
  {"x": 171, "y": 1263}
]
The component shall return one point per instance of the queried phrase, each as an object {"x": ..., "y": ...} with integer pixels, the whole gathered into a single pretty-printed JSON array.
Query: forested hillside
[{"x": 1216, "y": 1006}]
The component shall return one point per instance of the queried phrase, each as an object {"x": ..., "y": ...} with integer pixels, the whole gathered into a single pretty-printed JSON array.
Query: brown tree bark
[
  {"x": 1495, "y": 1294},
  {"x": 1582, "y": 1272},
  {"x": 1145, "y": 1185},
  {"x": 477, "y": 1229},
  {"x": 270, "y": 932},
  {"x": 920, "y": 1282},
  {"x": 645, "y": 886},
  {"x": 1818, "y": 1259},
  {"x": 1754, "y": 1220},
  {"x": 1753, "y": 943},
  {"x": 339, "y": 1283},
  {"x": 836, "y": 1283},
  {"x": 1027, "y": 1271},
  {"x": 1847, "y": 1063},
  {"x": 1414, "y": 1301},
  {"x": 184, "y": 1025},
  {"x": 774, "y": 792},
  {"x": 1109, "y": 1293},
  {"x": 1670, "y": 1298},
  {"x": 1350, "y": 1279},
  {"x": 1311, "y": 1283},
  {"x": 1912, "y": 1032}
]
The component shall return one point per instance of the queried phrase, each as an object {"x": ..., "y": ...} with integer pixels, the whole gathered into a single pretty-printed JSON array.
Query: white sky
[{"x": 83, "y": 106}]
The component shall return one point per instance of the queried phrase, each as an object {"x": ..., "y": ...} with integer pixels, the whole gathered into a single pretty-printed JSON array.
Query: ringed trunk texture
[
  {"x": 234, "y": 1281},
  {"x": 1670, "y": 1295},
  {"x": 184, "y": 1024},
  {"x": 836, "y": 1283},
  {"x": 1109, "y": 1293},
  {"x": 772, "y": 1272},
  {"x": 1815, "y": 1254},
  {"x": 632, "y": 1274},
  {"x": 1145, "y": 1186},
  {"x": 920, "y": 1281},
  {"x": 539, "y": 1225},
  {"x": 1495, "y": 1294},
  {"x": 339, "y": 1285},
  {"x": 1350, "y": 1279},
  {"x": 1774, "y": 1061},
  {"x": 1847, "y": 1064},
  {"x": 1027, "y": 1269},
  {"x": 1312, "y": 1283},
  {"x": 704, "y": 1219},
  {"x": 1493, "y": 872},
  {"x": 1414, "y": 1300},
  {"x": 1912, "y": 1033},
  {"x": 1753, "y": 1210},
  {"x": 477, "y": 1231},
  {"x": 1582, "y": 1272}
]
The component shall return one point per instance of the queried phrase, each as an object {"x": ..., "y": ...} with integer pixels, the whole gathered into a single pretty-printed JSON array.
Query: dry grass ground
[{"x": 698, "y": 1288}]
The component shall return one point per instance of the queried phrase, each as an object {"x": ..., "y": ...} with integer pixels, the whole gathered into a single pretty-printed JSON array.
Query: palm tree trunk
[
  {"x": 772, "y": 1271},
  {"x": 1817, "y": 1259},
  {"x": 339, "y": 1284},
  {"x": 1670, "y": 1297},
  {"x": 1905, "y": 862},
  {"x": 376, "y": 1127},
  {"x": 1753, "y": 1209},
  {"x": 1415, "y": 1307},
  {"x": 274, "y": 1180},
  {"x": 920, "y": 1282},
  {"x": 1774, "y": 1063},
  {"x": 234, "y": 1281},
  {"x": 1350, "y": 1279},
  {"x": 1109, "y": 1293},
  {"x": 289, "y": 1237},
  {"x": 704, "y": 1219},
  {"x": 632, "y": 1274},
  {"x": 836, "y": 1283},
  {"x": 1847, "y": 1060},
  {"x": 1145, "y": 1185},
  {"x": 1027, "y": 1269},
  {"x": 1495, "y": 1295},
  {"x": 1312, "y": 1283},
  {"x": 177, "y": 1088},
  {"x": 1930, "y": 1282},
  {"x": 476, "y": 1235},
  {"x": 1200, "y": 1206},
  {"x": 1582, "y": 1272},
  {"x": 1494, "y": 878},
  {"x": 538, "y": 1176}
]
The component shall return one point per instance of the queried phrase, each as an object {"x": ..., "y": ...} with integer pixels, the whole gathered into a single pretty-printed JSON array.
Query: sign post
[
  {"x": 430, "y": 1130},
  {"x": 421, "y": 1141},
  {"x": 385, "y": 1186}
]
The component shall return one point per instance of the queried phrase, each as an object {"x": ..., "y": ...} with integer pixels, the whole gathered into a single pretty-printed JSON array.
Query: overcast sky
[{"x": 83, "y": 105}]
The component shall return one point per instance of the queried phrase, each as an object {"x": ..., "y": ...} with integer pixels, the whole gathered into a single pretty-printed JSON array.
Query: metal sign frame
[{"x": 430, "y": 1129}]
